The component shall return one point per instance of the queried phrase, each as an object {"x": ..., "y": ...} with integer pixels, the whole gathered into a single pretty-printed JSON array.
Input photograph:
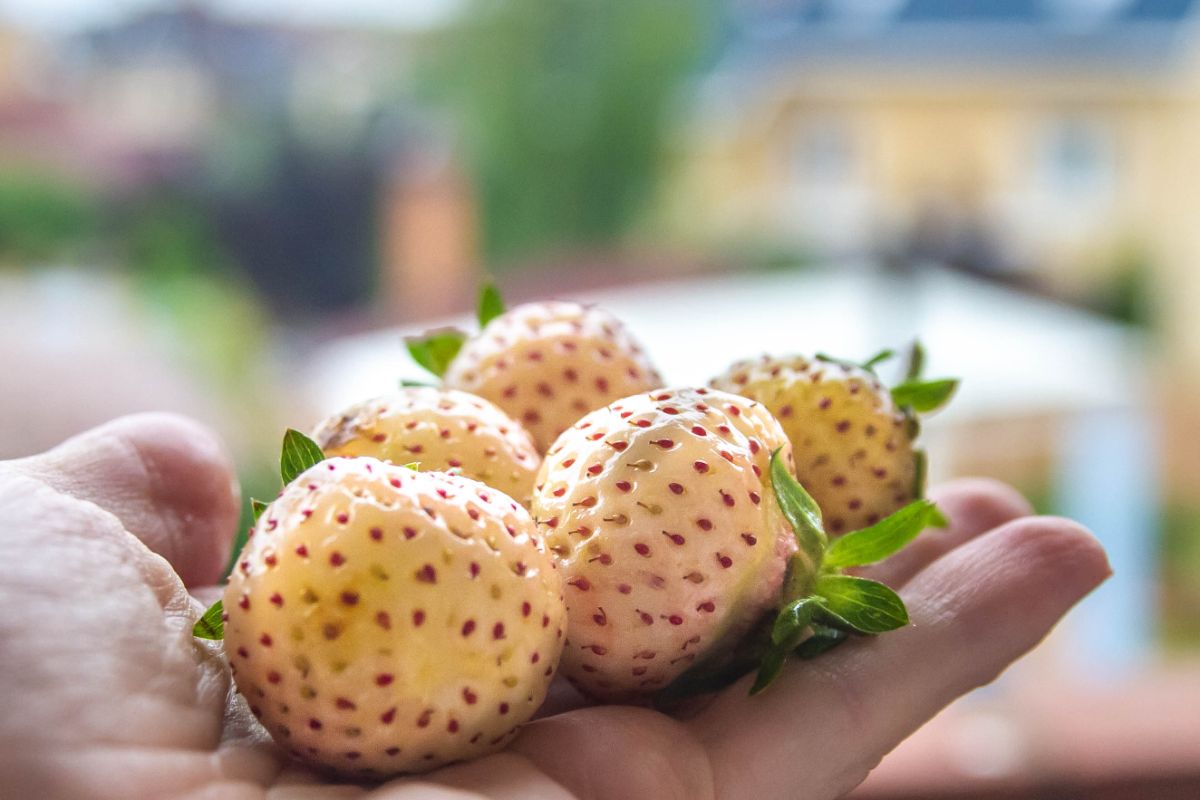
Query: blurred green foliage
[
  {"x": 192, "y": 286},
  {"x": 1178, "y": 624},
  {"x": 1129, "y": 296},
  {"x": 160, "y": 237},
  {"x": 768, "y": 255},
  {"x": 1180, "y": 586},
  {"x": 43, "y": 218},
  {"x": 563, "y": 108}
]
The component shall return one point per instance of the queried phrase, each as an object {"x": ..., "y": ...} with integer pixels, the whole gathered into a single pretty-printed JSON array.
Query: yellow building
[{"x": 1053, "y": 141}]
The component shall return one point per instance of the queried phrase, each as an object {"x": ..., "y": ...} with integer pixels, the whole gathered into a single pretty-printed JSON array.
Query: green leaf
[
  {"x": 491, "y": 304},
  {"x": 877, "y": 542},
  {"x": 299, "y": 453},
  {"x": 801, "y": 511},
  {"x": 769, "y": 669},
  {"x": 878, "y": 358},
  {"x": 920, "y": 473},
  {"x": 861, "y": 605},
  {"x": 912, "y": 424},
  {"x": 789, "y": 630},
  {"x": 916, "y": 361},
  {"x": 436, "y": 349},
  {"x": 822, "y": 640},
  {"x": 211, "y": 625},
  {"x": 869, "y": 365},
  {"x": 406, "y": 383},
  {"x": 257, "y": 507},
  {"x": 793, "y": 619},
  {"x": 923, "y": 396}
]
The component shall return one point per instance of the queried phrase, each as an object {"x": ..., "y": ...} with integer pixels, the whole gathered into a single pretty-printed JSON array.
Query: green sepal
[
  {"x": 211, "y": 625},
  {"x": 823, "y": 640},
  {"x": 789, "y": 631},
  {"x": 800, "y": 510},
  {"x": 916, "y": 361},
  {"x": 490, "y": 305},
  {"x": 912, "y": 424},
  {"x": 407, "y": 383},
  {"x": 436, "y": 349},
  {"x": 869, "y": 365},
  {"x": 890, "y": 534},
  {"x": 769, "y": 669},
  {"x": 860, "y": 605},
  {"x": 878, "y": 358},
  {"x": 257, "y": 507},
  {"x": 793, "y": 618},
  {"x": 299, "y": 453},
  {"x": 924, "y": 396},
  {"x": 920, "y": 473}
]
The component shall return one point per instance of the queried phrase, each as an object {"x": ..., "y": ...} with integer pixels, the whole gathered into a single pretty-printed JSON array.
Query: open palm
[{"x": 107, "y": 695}]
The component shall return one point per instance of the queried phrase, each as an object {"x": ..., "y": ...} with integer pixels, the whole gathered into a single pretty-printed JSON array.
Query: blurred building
[{"x": 1048, "y": 142}]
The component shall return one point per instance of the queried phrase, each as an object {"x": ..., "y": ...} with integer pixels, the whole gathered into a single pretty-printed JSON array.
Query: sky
[{"x": 67, "y": 15}]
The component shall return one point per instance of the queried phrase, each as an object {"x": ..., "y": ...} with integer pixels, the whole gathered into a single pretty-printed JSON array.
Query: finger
[
  {"x": 827, "y": 722},
  {"x": 504, "y": 776},
  {"x": 973, "y": 506},
  {"x": 618, "y": 752},
  {"x": 167, "y": 479}
]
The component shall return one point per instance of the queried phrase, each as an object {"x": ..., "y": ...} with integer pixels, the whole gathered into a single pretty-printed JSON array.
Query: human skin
[{"x": 106, "y": 542}]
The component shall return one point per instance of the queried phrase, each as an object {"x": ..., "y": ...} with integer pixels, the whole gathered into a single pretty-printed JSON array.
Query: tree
[{"x": 562, "y": 107}]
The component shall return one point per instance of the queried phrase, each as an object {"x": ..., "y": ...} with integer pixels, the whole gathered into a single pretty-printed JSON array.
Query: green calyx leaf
[
  {"x": 916, "y": 361},
  {"x": 884, "y": 538},
  {"x": 257, "y": 507},
  {"x": 406, "y": 383},
  {"x": 923, "y": 396},
  {"x": 800, "y": 510},
  {"x": 878, "y": 358},
  {"x": 769, "y": 669},
  {"x": 788, "y": 631},
  {"x": 490, "y": 305},
  {"x": 299, "y": 453},
  {"x": 823, "y": 640},
  {"x": 211, "y": 625},
  {"x": 792, "y": 621},
  {"x": 869, "y": 365},
  {"x": 860, "y": 605},
  {"x": 436, "y": 349},
  {"x": 800, "y": 629},
  {"x": 920, "y": 473}
]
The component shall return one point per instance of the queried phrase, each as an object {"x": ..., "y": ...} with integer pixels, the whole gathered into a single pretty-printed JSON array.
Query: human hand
[{"x": 107, "y": 695}]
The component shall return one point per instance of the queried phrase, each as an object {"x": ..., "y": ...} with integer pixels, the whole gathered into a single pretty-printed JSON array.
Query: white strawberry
[
  {"x": 440, "y": 430},
  {"x": 546, "y": 364},
  {"x": 852, "y": 438},
  {"x": 672, "y": 543},
  {"x": 382, "y": 620}
]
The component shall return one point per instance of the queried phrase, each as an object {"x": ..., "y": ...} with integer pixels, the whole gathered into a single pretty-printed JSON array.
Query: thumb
[{"x": 167, "y": 479}]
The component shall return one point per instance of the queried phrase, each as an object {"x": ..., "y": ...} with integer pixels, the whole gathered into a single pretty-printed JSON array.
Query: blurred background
[{"x": 234, "y": 209}]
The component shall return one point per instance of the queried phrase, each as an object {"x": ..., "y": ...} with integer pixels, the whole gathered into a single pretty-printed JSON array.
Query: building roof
[{"x": 1101, "y": 35}]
